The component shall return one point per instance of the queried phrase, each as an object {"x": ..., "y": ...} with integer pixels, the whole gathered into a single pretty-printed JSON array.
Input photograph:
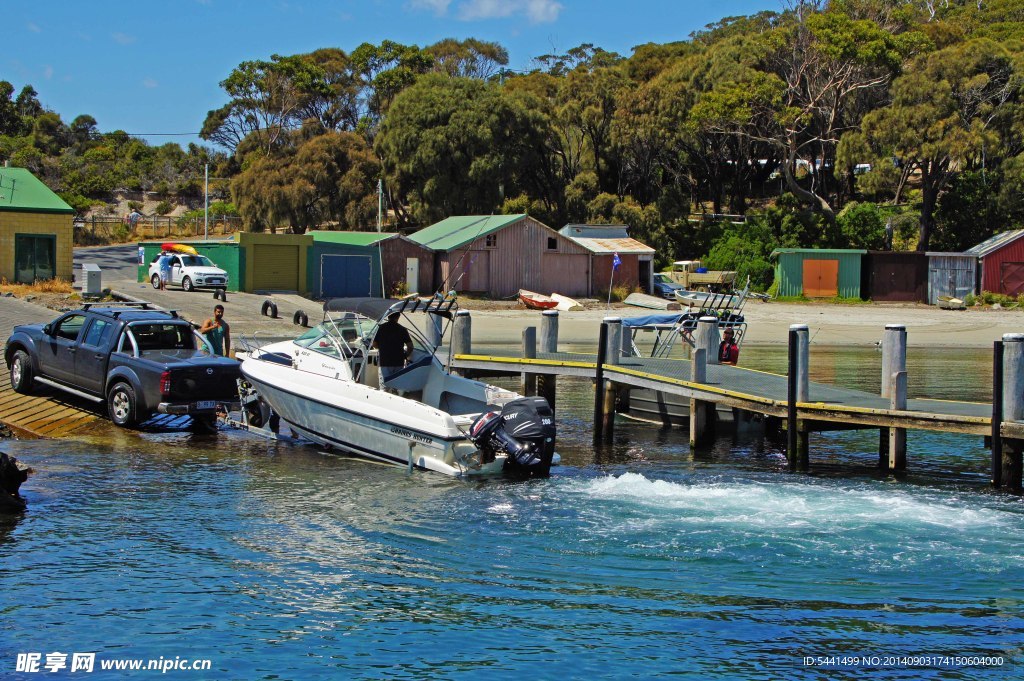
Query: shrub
[
  {"x": 163, "y": 208},
  {"x": 619, "y": 293}
]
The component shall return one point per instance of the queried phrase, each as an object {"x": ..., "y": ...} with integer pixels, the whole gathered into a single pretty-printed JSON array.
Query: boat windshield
[{"x": 336, "y": 335}]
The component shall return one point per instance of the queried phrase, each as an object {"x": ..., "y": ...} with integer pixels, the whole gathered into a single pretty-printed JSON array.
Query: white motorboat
[{"x": 325, "y": 386}]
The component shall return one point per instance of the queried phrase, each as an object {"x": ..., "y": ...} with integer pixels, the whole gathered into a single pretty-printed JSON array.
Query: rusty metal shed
[
  {"x": 603, "y": 242},
  {"x": 1001, "y": 263},
  {"x": 497, "y": 255},
  {"x": 891, "y": 276}
]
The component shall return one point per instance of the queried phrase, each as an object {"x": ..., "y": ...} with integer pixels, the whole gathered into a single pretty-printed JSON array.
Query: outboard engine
[{"x": 524, "y": 431}]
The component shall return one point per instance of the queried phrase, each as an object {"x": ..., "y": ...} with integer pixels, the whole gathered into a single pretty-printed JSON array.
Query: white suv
[{"x": 190, "y": 272}]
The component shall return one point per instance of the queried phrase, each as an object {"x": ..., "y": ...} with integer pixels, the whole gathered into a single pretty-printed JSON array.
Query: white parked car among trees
[{"x": 190, "y": 272}]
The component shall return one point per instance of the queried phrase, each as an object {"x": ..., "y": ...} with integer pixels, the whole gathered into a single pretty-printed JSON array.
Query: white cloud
[
  {"x": 436, "y": 6},
  {"x": 123, "y": 38},
  {"x": 47, "y": 72},
  {"x": 34, "y": 27},
  {"x": 149, "y": 82},
  {"x": 542, "y": 11},
  {"x": 535, "y": 11}
]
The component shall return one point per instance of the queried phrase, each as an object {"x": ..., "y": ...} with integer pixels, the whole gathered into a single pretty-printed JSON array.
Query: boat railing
[{"x": 668, "y": 334}]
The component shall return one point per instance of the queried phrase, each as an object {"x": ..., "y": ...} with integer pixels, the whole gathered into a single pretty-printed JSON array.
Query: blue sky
[{"x": 150, "y": 67}]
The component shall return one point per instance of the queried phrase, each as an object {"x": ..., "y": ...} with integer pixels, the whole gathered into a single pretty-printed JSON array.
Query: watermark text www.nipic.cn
[{"x": 87, "y": 662}]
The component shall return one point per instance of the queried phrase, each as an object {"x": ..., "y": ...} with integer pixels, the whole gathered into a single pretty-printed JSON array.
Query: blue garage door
[{"x": 344, "y": 276}]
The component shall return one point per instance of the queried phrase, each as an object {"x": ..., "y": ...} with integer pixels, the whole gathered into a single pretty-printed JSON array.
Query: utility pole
[
  {"x": 206, "y": 202},
  {"x": 380, "y": 205}
]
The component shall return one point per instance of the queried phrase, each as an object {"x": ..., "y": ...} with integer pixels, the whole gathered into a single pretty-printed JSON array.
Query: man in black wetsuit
[{"x": 394, "y": 345}]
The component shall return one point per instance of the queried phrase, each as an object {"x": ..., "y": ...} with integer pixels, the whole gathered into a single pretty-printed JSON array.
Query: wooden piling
[
  {"x": 897, "y": 449},
  {"x": 803, "y": 354},
  {"x": 547, "y": 384},
  {"x": 434, "y": 330},
  {"x": 702, "y": 412},
  {"x": 528, "y": 378},
  {"x": 997, "y": 414},
  {"x": 798, "y": 390},
  {"x": 894, "y": 360},
  {"x": 462, "y": 334},
  {"x": 602, "y": 347},
  {"x": 612, "y": 356},
  {"x": 706, "y": 336},
  {"x": 549, "y": 331},
  {"x": 1013, "y": 409}
]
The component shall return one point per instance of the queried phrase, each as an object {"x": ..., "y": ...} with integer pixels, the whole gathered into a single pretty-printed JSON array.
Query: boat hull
[
  {"x": 536, "y": 301},
  {"x": 674, "y": 410},
  {"x": 366, "y": 422}
]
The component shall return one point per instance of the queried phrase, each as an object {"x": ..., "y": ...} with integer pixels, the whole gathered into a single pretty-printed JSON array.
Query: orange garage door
[{"x": 821, "y": 278}]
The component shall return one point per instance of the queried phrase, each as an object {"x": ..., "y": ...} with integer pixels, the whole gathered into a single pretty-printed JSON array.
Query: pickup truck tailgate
[{"x": 204, "y": 383}]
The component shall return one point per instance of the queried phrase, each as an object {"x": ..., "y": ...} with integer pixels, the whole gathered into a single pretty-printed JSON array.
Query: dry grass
[{"x": 43, "y": 286}]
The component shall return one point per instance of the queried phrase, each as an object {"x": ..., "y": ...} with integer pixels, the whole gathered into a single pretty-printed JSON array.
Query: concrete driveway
[{"x": 243, "y": 311}]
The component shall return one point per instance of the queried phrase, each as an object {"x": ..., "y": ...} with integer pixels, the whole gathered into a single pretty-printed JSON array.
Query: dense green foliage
[{"x": 820, "y": 125}]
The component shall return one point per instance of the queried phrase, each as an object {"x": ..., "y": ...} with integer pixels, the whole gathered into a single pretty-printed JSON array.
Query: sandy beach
[{"x": 830, "y": 324}]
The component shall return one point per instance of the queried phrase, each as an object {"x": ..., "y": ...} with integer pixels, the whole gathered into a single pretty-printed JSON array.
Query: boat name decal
[{"x": 409, "y": 434}]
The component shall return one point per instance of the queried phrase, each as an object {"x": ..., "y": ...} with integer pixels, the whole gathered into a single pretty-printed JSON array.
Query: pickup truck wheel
[
  {"x": 121, "y": 405},
  {"x": 21, "y": 373},
  {"x": 155, "y": 280},
  {"x": 186, "y": 285}
]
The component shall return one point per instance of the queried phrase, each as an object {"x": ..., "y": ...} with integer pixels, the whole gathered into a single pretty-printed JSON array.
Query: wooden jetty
[{"x": 787, "y": 401}]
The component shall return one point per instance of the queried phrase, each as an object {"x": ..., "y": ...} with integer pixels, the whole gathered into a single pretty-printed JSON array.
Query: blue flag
[{"x": 616, "y": 261}]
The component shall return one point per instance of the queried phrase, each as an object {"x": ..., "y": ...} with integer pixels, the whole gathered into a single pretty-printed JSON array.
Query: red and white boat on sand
[{"x": 536, "y": 301}]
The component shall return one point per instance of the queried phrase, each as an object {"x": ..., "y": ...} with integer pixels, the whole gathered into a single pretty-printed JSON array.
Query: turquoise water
[{"x": 637, "y": 559}]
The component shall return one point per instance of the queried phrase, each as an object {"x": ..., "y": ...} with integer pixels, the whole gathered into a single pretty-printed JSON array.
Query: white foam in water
[{"x": 785, "y": 504}]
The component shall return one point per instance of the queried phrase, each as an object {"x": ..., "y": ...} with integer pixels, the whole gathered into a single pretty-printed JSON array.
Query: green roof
[
  {"x": 460, "y": 230},
  {"x": 827, "y": 251},
  {"x": 351, "y": 238},
  {"x": 21, "y": 191}
]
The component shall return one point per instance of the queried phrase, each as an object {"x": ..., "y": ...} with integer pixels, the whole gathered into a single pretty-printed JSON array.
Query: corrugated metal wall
[
  {"x": 950, "y": 274},
  {"x": 895, "y": 277},
  {"x": 995, "y": 266},
  {"x": 789, "y": 272},
  {"x": 228, "y": 257},
  {"x": 628, "y": 273},
  {"x": 319, "y": 249},
  {"x": 520, "y": 259},
  {"x": 395, "y": 252}
]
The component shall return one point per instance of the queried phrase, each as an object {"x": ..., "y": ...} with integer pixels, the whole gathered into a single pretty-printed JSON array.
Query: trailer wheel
[
  {"x": 270, "y": 307},
  {"x": 300, "y": 318}
]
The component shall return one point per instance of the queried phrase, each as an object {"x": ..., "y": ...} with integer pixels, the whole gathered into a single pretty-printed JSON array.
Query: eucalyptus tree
[
  {"x": 811, "y": 70},
  {"x": 941, "y": 121},
  {"x": 317, "y": 179},
  {"x": 454, "y": 146},
  {"x": 267, "y": 99},
  {"x": 470, "y": 58}
]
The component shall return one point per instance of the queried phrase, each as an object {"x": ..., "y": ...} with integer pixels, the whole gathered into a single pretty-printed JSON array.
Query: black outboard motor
[{"x": 524, "y": 431}]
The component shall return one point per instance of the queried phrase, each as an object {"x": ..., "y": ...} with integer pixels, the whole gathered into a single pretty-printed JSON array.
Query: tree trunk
[{"x": 807, "y": 197}]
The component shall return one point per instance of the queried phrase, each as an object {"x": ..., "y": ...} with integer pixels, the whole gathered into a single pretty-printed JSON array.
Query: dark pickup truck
[{"x": 138, "y": 360}]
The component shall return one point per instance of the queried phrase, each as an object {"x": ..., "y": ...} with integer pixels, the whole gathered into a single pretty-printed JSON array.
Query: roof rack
[{"x": 119, "y": 303}]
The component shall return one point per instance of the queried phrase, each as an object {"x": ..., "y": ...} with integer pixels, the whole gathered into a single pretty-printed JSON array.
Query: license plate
[{"x": 206, "y": 404}]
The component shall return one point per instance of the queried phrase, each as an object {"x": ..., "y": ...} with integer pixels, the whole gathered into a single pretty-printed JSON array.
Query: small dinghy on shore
[{"x": 536, "y": 301}]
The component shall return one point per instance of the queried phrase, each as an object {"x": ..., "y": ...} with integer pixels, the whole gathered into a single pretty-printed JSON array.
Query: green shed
[
  {"x": 818, "y": 272},
  {"x": 254, "y": 262},
  {"x": 356, "y": 264},
  {"x": 226, "y": 255}
]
